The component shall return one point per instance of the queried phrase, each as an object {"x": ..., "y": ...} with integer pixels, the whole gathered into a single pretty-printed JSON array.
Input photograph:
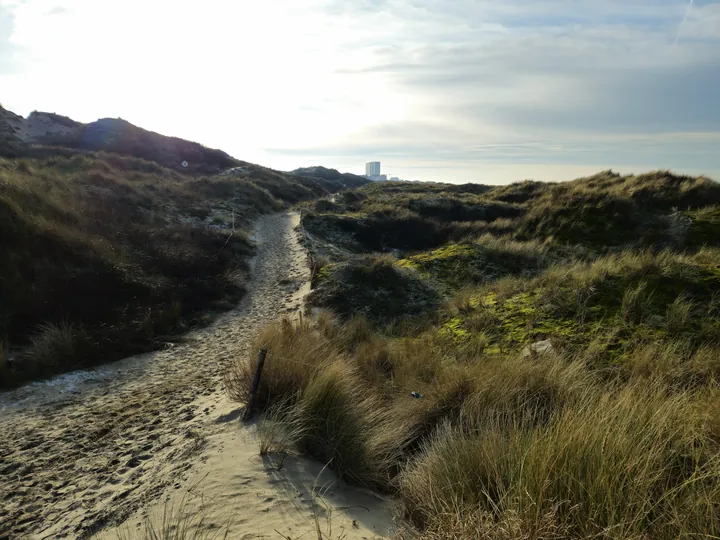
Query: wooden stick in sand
[{"x": 262, "y": 353}]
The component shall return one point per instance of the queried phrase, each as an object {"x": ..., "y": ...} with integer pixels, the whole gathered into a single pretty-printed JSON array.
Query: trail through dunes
[{"x": 82, "y": 452}]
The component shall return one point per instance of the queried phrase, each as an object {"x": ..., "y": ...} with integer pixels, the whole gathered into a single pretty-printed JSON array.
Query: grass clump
[
  {"x": 678, "y": 314},
  {"x": 705, "y": 226},
  {"x": 4, "y": 360},
  {"x": 335, "y": 417},
  {"x": 609, "y": 306},
  {"x": 599, "y": 212},
  {"x": 514, "y": 445},
  {"x": 294, "y": 354},
  {"x": 636, "y": 303},
  {"x": 314, "y": 400},
  {"x": 621, "y": 464},
  {"x": 183, "y": 521},
  {"x": 279, "y": 431},
  {"x": 482, "y": 260},
  {"x": 54, "y": 345}
]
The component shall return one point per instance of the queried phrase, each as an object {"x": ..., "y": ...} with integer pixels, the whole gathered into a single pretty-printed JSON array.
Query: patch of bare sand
[
  {"x": 233, "y": 488},
  {"x": 84, "y": 451}
]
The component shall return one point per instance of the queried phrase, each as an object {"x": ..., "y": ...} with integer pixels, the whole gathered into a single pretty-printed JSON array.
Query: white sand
[
  {"x": 255, "y": 496},
  {"x": 82, "y": 453}
]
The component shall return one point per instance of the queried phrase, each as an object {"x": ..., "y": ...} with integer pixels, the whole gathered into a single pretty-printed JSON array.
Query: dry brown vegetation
[{"x": 610, "y": 429}]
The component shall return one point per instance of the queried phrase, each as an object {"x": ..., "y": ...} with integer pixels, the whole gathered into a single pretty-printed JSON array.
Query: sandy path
[{"x": 84, "y": 451}]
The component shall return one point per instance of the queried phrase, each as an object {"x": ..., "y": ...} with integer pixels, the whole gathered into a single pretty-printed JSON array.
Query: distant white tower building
[{"x": 372, "y": 168}]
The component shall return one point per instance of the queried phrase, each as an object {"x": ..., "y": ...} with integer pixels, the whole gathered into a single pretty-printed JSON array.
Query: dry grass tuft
[
  {"x": 279, "y": 430},
  {"x": 678, "y": 314},
  {"x": 505, "y": 445},
  {"x": 295, "y": 353},
  {"x": 54, "y": 345},
  {"x": 186, "y": 521},
  {"x": 620, "y": 462}
]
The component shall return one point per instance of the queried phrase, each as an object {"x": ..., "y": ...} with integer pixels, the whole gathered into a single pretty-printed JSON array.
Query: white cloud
[
  {"x": 462, "y": 84},
  {"x": 703, "y": 21}
]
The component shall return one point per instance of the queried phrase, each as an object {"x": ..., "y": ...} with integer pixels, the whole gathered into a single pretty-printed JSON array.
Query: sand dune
[{"x": 82, "y": 453}]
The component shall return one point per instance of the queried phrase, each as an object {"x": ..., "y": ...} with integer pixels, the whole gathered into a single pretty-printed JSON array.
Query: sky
[{"x": 445, "y": 90}]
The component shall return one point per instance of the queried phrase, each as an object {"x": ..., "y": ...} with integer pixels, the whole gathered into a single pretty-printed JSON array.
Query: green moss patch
[
  {"x": 508, "y": 324},
  {"x": 461, "y": 264},
  {"x": 613, "y": 315},
  {"x": 454, "y": 263}
]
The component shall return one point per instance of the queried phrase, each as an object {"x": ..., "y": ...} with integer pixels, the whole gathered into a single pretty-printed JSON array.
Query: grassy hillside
[
  {"x": 20, "y": 137},
  {"x": 348, "y": 180},
  {"x": 122, "y": 137},
  {"x": 599, "y": 213},
  {"x": 105, "y": 255},
  {"x": 562, "y": 342}
]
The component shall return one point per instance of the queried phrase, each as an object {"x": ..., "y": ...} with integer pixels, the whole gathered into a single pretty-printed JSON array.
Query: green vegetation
[
  {"x": 611, "y": 305},
  {"x": 484, "y": 259},
  {"x": 105, "y": 256},
  {"x": 568, "y": 363},
  {"x": 704, "y": 226},
  {"x": 375, "y": 287}
]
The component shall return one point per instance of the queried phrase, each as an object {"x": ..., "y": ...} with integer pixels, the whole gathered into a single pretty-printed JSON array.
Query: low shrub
[{"x": 375, "y": 287}]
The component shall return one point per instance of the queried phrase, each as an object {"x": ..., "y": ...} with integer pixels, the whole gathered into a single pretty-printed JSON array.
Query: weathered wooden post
[{"x": 262, "y": 353}]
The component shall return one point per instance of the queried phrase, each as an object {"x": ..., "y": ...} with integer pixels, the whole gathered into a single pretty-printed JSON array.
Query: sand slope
[
  {"x": 232, "y": 487},
  {"x": 84, "y": 451}
]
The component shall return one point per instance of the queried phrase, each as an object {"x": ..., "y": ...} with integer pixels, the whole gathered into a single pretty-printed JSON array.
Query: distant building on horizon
[{"x": 372, "y": 168}]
